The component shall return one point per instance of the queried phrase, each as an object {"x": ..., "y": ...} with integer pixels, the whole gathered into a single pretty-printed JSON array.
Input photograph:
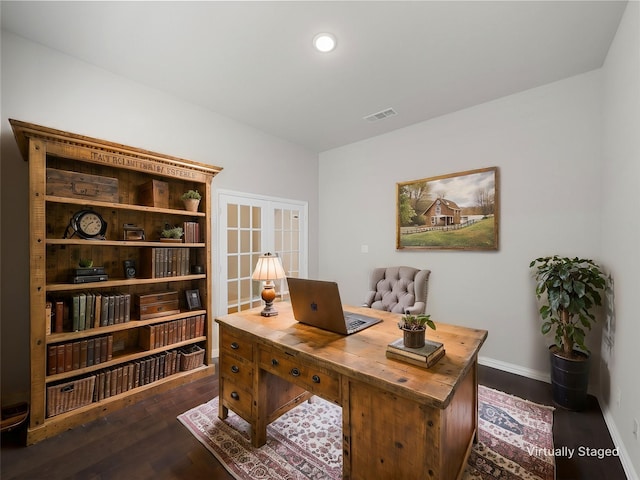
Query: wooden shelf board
[
  {"x": 60, "y": 287},
  {"x": 120, "y": 243},
  {"x": 123, "y": 206},
  {"x": 116, "y": 327},
  {"x": 127, "y": 356},
  {"x": 59, "y": 423}
]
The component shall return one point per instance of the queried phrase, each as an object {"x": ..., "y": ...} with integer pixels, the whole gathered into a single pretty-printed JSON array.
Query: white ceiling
[{"x": 253, "y": 61}]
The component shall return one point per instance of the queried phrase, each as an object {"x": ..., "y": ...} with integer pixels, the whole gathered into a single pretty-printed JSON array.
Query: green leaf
[
  {"x": 565, "y": 300},
  {"x": 546, "y": 328}
]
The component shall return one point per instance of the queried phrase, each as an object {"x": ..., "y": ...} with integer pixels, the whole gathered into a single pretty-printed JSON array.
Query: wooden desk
[{"x": 399, "y": 420}]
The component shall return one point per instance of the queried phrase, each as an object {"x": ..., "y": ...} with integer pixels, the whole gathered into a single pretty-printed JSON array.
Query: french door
[{"x": 249, "y": 227}]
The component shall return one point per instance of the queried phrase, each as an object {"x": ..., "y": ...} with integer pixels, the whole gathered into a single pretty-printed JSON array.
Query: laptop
[{"x": 317, "y": 303}]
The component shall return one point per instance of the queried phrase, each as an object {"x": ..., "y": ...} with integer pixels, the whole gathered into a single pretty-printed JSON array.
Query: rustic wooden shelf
[
  {"x": 68, "y": 172},
  {"x": 120, "y": 243},
  {"x": 133, "y": 323},
  {"x": 122, "y": 206},
  {"x": 62, "y": 287},
  {"x": 125, "y": 357}
]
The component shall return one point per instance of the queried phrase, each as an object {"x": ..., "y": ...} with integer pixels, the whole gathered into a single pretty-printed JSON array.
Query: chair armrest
[
  {"x": 416, "y": 309},
  {"x": 369, "y": 299}
]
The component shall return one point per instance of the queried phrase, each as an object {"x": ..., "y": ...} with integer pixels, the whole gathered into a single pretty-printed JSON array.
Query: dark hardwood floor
[{"x": 146, "y": 441}]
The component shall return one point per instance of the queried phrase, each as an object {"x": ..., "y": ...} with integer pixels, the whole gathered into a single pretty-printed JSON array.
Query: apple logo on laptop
[{"x": 314, "y": 307}]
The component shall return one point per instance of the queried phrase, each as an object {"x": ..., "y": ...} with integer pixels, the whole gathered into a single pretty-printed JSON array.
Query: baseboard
[
  {"x": 625, "y": 458},
  {"x": 515, "y": 369}
]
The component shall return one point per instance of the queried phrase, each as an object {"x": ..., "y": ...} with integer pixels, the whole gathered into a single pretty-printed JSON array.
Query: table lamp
[{"x": 267, "y": 270}]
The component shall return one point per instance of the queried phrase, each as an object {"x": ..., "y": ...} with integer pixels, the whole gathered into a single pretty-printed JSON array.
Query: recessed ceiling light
[{"x": 324, "y": 42}]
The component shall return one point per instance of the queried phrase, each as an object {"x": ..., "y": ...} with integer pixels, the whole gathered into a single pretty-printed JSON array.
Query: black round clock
[{"x": 87, "y": 224}]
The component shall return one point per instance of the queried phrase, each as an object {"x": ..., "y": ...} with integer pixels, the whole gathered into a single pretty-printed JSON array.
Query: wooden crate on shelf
[
  {"x": 70, "y": 395},
  {"x": 63, "y": 183},
  {"x": 158, "y": 304},
  {"x": 154, "y": 193}
]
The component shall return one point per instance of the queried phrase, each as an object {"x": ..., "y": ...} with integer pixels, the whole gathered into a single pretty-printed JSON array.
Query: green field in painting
[{"x": 478, "y": 235}]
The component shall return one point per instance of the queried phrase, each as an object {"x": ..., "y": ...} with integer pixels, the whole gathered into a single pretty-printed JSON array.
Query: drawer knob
[
  {"x": 274, "y": 362},
  {"x": 316, "y": 379},
  {"x": 235, "y": 395},
  {"x": 235, "y": 346},
  {"x": 235, "y": 369},
  {"x": 295, "y": 372}
]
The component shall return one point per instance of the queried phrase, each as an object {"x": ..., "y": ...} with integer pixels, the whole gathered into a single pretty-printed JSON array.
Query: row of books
[
  {"x": 64, "y": 357},
  {"x": 164, "y": 262},
  {"x": 86, "y": 310},
  {"x": 120, "y": 379},
  {"x": 191, "y": 232},
  {"x": 162, "y": 334}
]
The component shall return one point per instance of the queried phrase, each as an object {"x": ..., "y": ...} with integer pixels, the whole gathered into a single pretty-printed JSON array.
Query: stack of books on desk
[{"x": 423, "y": 357}]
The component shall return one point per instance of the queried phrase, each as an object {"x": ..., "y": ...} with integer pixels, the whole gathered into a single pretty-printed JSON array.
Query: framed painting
[{"x": 458, "y": 211}]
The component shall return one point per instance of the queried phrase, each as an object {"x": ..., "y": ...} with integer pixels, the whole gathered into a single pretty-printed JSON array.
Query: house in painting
[{"x": 442, "y": 212}]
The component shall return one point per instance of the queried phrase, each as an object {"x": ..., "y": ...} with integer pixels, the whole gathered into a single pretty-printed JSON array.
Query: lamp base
[
  {"x": 269, "y": 295},
  {"x": 269, "y": 311}
]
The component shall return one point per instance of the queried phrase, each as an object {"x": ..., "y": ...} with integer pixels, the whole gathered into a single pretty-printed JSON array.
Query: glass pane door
[
  {"x": 244, "y": 245},
  {"x": 251, "y": 226}
]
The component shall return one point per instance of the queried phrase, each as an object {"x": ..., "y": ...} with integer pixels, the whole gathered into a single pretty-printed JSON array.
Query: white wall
[
  {"x": 547, "y": 145},
  {"x": 620, "y": 385},
  {"x": 568, "y": 155},
  {"x": 42, "y": 86}
]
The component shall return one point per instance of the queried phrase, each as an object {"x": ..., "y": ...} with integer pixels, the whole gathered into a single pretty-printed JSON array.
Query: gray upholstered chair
[{"x": 398, "y": 289}]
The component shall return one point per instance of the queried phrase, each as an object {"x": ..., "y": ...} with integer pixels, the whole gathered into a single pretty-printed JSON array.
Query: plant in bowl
[
  {"x": 571, "y": 289},
  {"x": 414, "y": 329},
  {"x": 85, "y": 263},
  {"x": 172, "y": 234},
  {"x": 191, "y": 200}
]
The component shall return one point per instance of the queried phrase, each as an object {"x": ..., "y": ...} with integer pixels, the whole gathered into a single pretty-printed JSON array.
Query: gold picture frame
[{"x": 458, "y": 211}]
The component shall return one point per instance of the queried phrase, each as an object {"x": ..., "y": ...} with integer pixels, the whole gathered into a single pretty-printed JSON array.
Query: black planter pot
[
  {"x": 569, "y": 379},
  {"x": 414, "y": 338}
]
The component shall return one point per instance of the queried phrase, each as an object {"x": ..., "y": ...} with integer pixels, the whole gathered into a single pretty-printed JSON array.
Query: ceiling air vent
[{"x": 374, "y": 117}]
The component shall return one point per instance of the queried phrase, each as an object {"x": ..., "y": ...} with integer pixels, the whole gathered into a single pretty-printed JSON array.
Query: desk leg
[
  {"x": 261, "y": 406},
  {"x": 223, "y": 412},
  {"x": 475, "y": 399},
  {"x": 258, "y": 433},
  {"x": 346, "y": 430}
]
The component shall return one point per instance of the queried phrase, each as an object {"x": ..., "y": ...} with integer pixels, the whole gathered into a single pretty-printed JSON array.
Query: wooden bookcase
[{"x": 53, "y": 258}]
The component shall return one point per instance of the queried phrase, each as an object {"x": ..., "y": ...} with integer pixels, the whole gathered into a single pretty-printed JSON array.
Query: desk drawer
[
  {"x": 312, "y": 378},
  {"x": 237, "y": 369},
  {"x": 236, "y": 398},
  {"x": 237, "y": 345}
]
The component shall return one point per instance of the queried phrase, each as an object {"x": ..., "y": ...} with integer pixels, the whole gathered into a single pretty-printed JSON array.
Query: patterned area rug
[{"x": 515, "y": 441}]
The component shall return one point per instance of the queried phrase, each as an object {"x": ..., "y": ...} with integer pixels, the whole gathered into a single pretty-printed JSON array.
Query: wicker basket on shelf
[
  {"x": 67, "y": 396},
  {"x": 191, "y": 357}
]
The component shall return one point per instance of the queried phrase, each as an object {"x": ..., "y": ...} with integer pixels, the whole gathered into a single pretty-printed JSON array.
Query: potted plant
[
  {"x": 414, "y": 329},
  {"x": 85, "y": 263},
  {"x": 571, "y": 288},
  {"x": 191, "y": 200},
  {"x": 171, "y": 234}
]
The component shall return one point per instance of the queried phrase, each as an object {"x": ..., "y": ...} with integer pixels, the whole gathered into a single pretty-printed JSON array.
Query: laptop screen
[{"x": 317, "y": 303}]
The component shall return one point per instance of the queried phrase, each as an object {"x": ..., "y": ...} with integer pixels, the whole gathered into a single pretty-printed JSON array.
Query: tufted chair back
[{"x": 398, "y": 289}]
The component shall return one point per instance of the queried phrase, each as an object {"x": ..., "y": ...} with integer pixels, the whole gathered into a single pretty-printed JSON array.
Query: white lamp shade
[{"x": 268, "y": 268}]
